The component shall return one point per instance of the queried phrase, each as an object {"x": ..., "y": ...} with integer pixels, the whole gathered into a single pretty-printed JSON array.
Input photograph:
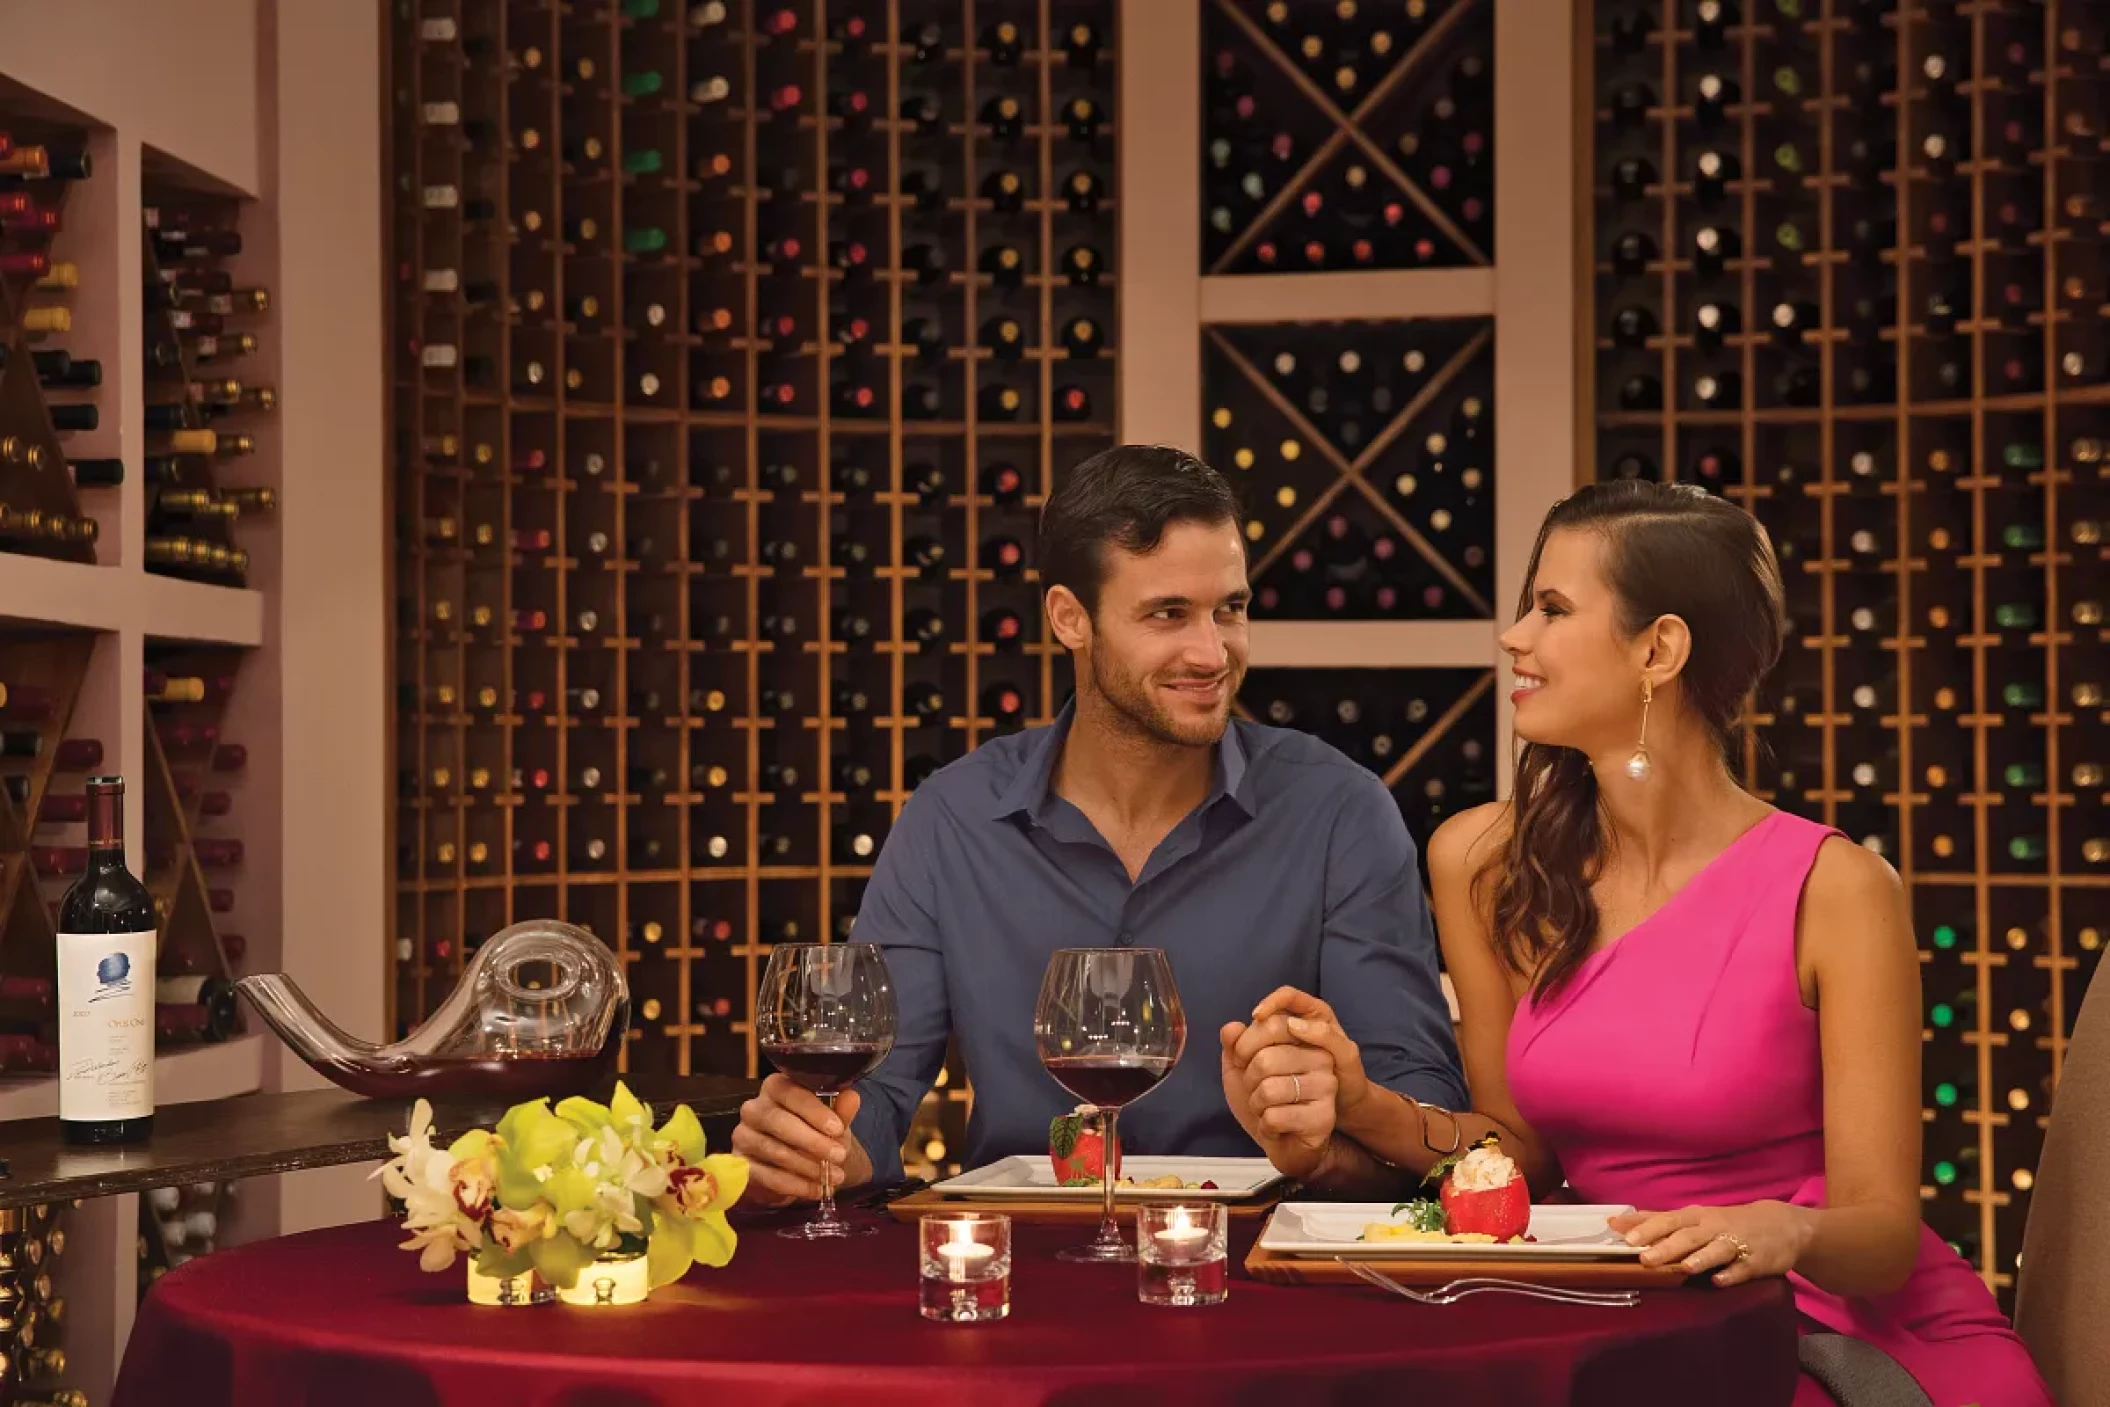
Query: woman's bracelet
[{"x": 1421, "y": 1111}]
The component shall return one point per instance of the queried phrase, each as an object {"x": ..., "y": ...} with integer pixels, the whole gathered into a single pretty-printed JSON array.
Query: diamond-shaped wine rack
[
  {"x": 1428, "y": 733},
  {"x": 40, "y": 511},
  {"x": 1347, "y": 137},
  {"x": 1363, "y": 455}
]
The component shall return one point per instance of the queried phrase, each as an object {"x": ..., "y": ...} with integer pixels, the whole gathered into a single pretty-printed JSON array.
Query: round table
[{"x": 341, "y": 1318}]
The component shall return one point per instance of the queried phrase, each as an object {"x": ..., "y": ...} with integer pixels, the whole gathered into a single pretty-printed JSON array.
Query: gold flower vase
[
  {"x": 508, "y": 1290},
  {"x": 615, "y": 1277}
]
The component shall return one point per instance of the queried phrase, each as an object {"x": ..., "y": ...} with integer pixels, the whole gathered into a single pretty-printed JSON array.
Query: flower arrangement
[{"x": 555, "y": 1190}]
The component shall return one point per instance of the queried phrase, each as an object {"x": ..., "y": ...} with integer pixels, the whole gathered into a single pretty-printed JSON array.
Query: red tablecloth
[{"x": 340, "y": 1318}]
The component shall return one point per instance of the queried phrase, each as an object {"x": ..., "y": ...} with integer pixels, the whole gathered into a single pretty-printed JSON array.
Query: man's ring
[{"x": 1296, "y": 1090}]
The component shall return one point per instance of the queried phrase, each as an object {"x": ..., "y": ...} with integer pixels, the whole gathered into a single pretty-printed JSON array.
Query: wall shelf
[{"x": 1320, "y": 297}]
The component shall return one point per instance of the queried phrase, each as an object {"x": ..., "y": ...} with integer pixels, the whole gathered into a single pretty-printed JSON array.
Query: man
[{"x": 1144, "y": 816}]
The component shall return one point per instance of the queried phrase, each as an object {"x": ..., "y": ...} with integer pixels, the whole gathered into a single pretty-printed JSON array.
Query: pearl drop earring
[{"x": 1638, "y": 766}]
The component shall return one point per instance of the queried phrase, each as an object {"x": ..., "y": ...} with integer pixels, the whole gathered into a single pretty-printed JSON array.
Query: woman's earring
[{"x": 1638, "y": 766}]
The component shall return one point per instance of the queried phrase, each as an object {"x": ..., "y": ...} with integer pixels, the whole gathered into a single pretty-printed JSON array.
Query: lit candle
[
  {"x": 1180, "y": 1234},
  {"x": 961, "y": 1250}
]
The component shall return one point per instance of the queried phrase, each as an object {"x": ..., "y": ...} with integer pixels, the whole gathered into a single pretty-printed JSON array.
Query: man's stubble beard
[{"x": 1132, "y": 703}]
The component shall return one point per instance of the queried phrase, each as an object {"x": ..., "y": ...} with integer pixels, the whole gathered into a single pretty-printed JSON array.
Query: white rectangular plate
[
  {"x": 1236, "y": 1179},
  {"x": 1331, "y": 1229}
]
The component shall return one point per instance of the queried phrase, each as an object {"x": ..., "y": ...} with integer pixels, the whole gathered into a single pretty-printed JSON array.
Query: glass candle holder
[
  {"x": 965, "y": 1263},
  {"x": 1180, "y": 1254}
]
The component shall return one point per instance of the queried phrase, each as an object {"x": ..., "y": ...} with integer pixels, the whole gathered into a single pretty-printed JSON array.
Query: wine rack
[
  {"x": 46, "y": 670},
  {"x": 1848, "y": 262},
  {"x": 1429, "y": 734},
  {"x": 42, "y": 818},
  {"x": 40, "y": 507},
  {"x": 735, "y": 347},
  {"x": 206, "y": 425},
  {"x": 1347, "y": 136},
  {"x": 192, "y": 856},
  {"x": 178, "y": 1224},
  {"x": 1362, "y": 454},
  {"x": 32, "y": 1310}
]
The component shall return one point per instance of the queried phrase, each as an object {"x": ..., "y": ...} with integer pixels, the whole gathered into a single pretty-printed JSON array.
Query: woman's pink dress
[{"x": 1681, "y": 1068}]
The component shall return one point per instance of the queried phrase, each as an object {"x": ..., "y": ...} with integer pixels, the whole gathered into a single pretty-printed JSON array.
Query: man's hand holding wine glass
[{"x": 789, "y": 1138}]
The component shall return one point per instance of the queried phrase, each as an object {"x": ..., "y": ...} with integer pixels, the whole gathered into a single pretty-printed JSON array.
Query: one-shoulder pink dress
[{"x": 1680, "y": 1068}]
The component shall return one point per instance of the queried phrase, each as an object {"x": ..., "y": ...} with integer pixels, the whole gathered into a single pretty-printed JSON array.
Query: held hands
[
  {"x": 1289, "y": 1077},
  {"x": 791, "y": 1140},
  {"x": 1697, "y": 1239}
]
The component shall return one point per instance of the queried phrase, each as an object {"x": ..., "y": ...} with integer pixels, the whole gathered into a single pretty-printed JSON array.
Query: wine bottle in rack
[{"x": 106, "y": 958}]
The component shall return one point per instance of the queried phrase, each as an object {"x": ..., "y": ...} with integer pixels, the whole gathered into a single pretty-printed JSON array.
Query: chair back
[{"x": 2062, "y": 1294}]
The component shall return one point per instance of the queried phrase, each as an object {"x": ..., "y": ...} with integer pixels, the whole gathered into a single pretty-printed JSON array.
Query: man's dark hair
[{"x": 1126, "y": 496}]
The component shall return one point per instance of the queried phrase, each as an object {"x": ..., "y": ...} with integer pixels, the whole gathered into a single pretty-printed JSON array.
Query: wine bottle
[
  {"x": 923, "y": 699},
  {"x": 1003, "y": 703},
  {"x": 1082, "y": 265},
  {"x": 202, "y": 1008},
  {"x": 106, "y": 958},
  {"x": 1005, "y": 556},
  {"x": 1641, "y": 393},
  {"x": 1632, "y": 253},
  {"x": 1632, "y": 327}
]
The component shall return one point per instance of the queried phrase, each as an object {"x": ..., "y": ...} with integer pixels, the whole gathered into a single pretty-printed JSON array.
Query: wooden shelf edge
[
  {"x": 88, "y": 596},
  {"x": 45, "y": 591},
  {"x": 1358, "y": 294},
  {"x": 186, "y": 1076},
  {"x": 192, "y": 610},
  {"x": 1373, "y": 644}
]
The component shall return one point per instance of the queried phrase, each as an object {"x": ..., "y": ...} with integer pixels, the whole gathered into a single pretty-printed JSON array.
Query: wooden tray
[
  {"x": 1035, "y": 1212},
  {"x": 1429, "y": 1270}
]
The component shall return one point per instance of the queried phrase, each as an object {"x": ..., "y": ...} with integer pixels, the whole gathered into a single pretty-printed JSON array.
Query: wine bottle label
[{"x": 106, "y": 1025}]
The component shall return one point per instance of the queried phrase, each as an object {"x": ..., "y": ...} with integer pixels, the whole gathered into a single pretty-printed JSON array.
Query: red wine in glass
[
  {"x": 828, "y": 1067},
  {"x": 1108, "y": 1026},
  {"x": 825, "y": 1015},
  {"x": 1107, "y": 1081}
]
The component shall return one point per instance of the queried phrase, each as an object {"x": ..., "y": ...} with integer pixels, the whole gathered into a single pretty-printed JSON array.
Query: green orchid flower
[
  {"x": 533, "y": 1142},
  {"x": 701, "y": 1187}
]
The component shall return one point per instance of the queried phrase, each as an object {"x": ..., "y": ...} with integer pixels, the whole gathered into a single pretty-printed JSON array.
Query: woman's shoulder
[{"x": 1461, "y": 845}]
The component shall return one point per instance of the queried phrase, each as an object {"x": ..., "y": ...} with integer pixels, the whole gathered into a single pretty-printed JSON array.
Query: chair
[
  {"x": 2062, "y": 1296},
  {"x": 1857, "y": 1373}
]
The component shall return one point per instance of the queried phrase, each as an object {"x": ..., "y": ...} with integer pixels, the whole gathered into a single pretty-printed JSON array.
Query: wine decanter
[{"x": 541, "y": 1010}]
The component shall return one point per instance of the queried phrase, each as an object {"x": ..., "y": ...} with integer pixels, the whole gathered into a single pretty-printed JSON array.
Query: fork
[{"x": 1458, "y": 1289}]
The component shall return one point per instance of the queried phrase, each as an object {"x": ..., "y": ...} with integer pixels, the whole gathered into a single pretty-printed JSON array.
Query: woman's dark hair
[
  {"x": 1672, "y": 549},
  {"x": 1126, "y": 496}
]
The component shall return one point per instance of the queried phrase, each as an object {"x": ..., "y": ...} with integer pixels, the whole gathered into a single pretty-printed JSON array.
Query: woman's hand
[
  {"x": 1737, "y": 1243},
  {"x": 1289, "y": 1015},
  {"x": 1282, "y": 1095}
]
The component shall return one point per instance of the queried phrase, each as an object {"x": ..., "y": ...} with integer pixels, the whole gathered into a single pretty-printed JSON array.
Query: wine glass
[
  {"x": 825, "y": 1017},
  {"x": 1108, "y": 1026}
]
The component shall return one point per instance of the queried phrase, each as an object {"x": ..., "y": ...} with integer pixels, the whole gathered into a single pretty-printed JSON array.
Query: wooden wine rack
[
  {"x": 1946, "y": 673},
  {"x": 717, "y": 539}
]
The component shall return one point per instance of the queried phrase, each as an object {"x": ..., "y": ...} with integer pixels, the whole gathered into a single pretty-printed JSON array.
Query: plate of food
[
  {"x": 1481, "y": 1208},
  {"x": 1070, "y": 1172}
]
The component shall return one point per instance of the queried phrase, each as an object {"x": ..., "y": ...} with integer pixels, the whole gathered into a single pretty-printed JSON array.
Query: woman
[{"x": 1671, "y": 994}]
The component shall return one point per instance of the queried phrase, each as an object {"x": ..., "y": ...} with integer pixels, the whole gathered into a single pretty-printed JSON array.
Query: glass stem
[
  {"x": 827, "y": 1207},
  {"x": 1108, "y": 1152}
]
